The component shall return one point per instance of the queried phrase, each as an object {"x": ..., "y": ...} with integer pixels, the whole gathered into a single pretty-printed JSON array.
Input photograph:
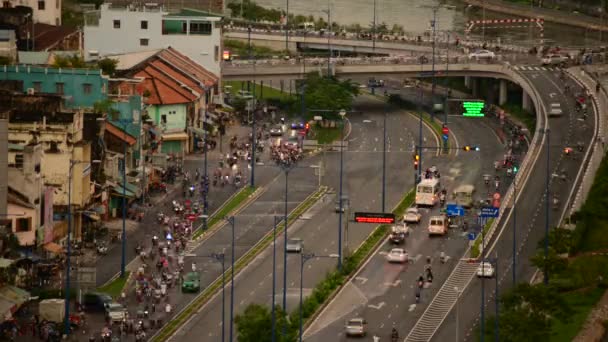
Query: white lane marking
[
  {"x": 377, "y": 307},
  {"x": 393, "y": 284},
  {"x": 363, "y": 280}
]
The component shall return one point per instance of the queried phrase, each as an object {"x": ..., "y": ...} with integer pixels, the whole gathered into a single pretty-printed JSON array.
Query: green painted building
[{"x": 81, "y": 88}]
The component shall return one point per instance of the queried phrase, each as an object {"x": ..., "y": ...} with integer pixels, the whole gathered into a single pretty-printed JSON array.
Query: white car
[
  {"x": 412, "y": 215},
  {"x": 115, "y": 312},
  {"x": 294, "y": 246},
  {"x": 397, "y": 255},
  {"x": 276, "y": 131},
  {"x": 355, "y": 327},
  {"x": 554, "y": 60},
  {"x": 485, "y": 270},
  {"x": 482, "y": 54}
]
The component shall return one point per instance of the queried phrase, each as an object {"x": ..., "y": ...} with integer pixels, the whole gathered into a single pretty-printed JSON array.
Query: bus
[{"x": 427, "y": 192}]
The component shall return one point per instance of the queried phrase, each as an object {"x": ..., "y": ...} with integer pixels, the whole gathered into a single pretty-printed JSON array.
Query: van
[{"x": 438, "y": 225}]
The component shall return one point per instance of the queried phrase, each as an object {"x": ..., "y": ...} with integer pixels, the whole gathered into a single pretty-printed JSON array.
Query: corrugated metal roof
[
  {"x": 33, "y": 57},
  {"x": 128, "y": 60}
]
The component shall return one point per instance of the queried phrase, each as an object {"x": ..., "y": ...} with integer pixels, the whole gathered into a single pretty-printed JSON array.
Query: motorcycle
[
  {"x": 102, "y": 249},
  {"x": 191, "y": 189},
  {"x": 394, "y": 335},
  {"x": 442, "y": 199},
  {"x": 160, "y": 217}
]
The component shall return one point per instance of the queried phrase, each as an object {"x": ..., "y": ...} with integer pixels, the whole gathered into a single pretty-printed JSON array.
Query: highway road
[
  {"x": 318, "y": 228},
  {"x": 384, "y": 294},
  {"x": 530, "y": 209}
]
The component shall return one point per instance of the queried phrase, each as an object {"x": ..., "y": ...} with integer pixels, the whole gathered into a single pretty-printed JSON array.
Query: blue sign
[
  {"x": 445, "y": 137},
  {"x": 471, "y": 236},
  {"x": 487, "y": 212},
  {"x": 454, "y": 210}
]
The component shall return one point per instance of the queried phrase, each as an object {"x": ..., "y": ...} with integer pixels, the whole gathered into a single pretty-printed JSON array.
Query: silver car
[
  {"x": 116, "y": 312},
  {"x": 276, "y": 131},
  {"x": 356, "y": 327},
  {"x": 294, "y": 246}
]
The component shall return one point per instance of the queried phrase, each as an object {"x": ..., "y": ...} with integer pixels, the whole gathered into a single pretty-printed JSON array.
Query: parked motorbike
[{"x": 102, "y": 249}]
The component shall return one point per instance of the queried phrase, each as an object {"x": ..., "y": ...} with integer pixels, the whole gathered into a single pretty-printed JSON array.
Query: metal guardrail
[{"x": 464, "y": 272}]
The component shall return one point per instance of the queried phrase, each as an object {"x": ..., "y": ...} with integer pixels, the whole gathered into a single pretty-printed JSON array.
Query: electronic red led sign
[{"x": 379, "y": 218}]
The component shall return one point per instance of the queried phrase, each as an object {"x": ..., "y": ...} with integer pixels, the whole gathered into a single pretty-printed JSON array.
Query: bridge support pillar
[
  {"x": 502, "y": 94},
  {"x": 526, "y": 103},
  {"x": 475, "y": 87},
  {"x": 467, "y": 82}
]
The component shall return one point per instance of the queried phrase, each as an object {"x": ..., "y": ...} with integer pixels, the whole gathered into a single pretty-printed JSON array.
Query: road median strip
[
  {"x": 207, "y": 294},
  {"x": 333, "y": 283},
  {"x": 231, "y": 204}
]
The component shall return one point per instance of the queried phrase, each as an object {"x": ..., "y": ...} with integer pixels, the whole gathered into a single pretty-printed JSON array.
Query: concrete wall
[
  {"x": 100, "y": 34},
  {"x": 16, "y": 212},
  {"x": 176, "y": 116},
  {"x": 50, "y": 14},
  {"x": 3, "y": 164}
]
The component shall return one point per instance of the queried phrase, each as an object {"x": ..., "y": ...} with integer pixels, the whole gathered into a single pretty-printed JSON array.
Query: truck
[
  {"x": 398, "y": 233},
  {"x": 53, "y": 310}
]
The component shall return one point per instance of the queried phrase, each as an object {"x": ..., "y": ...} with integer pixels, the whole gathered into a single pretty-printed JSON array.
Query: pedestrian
[
  {"x": 193, "y": 267},
  {"x": 153, "y": 307}
]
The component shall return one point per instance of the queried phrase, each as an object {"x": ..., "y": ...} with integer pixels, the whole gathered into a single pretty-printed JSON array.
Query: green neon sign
[{"x": 473, "y": 108}]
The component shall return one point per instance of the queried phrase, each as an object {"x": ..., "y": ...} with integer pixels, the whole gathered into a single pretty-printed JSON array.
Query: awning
[
  {"x": 120, "y": 191},
  {"x": 13, "y": 295},
  {"x": 53, "y": 248},
  {"x": 120, "y": 134},
  {"x": 199, "y": 131},
  {"x": 4, "y": 263},
  {"x": 175, "y": 136}
]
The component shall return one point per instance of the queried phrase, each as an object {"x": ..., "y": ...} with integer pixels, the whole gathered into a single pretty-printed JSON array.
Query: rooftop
[
  {"x": 47, "y": 36},
  {"x": 210, "y": 8},
  {"x": 44, "y": 70}
]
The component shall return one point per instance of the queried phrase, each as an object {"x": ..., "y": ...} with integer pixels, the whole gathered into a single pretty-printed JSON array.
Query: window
[
  {"x": 216, "y": 53},
  {"x": 144, "y": 42},
  {"x": 6, "y": 4},
  {"x": 184, "y": 27},
  {"x": 144, "y": 24},
  {"x": 116, "y": 24},
  {"x": 87, "y": 88},
  {"x": 59, "y": 88},
  {"x": 41, "y": 5},
  {"x": 200, "y": 27},
  {"x": 19, "y": 161},
  {"x": 163, "y": 119},
  {"x": 37, "y": 87},
  {"x": 24, "y": 224}
]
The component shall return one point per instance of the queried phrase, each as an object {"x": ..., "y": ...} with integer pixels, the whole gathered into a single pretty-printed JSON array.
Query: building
[
  {"x": 194, "y": 33},
  {"x": 3, "y": 164},
  {"x": 8, "y": 45},
  {"x": 44, "y": 11},
  {"x": 79, "y": 88},
  {"x": 176, "y": 91},
  {"x": 211, "y": 6}
]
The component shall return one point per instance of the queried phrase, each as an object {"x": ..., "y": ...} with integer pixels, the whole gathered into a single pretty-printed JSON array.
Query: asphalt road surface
[
  {"x": 319, "y": 229},
  {"x": 565, "y": 132},
  {"x": 383, "y": 293}
]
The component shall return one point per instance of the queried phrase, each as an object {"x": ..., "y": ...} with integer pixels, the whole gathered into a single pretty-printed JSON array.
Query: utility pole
[{"x": 434, "y": 24}]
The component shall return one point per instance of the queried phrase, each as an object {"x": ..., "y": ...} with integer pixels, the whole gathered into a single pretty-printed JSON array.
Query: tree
[
  {"x": 73, "y": 61},
  {"x": 553, "y": 263},
  {"x": 107, "y": 66},
  {"x": 329, "y": 93},
  {"x": 255, "y": 325},
  {"x": 528, "y": 312},
  {"x": 560, "y": 239}
]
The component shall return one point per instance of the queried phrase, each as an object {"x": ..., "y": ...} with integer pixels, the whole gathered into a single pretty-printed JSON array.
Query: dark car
[{"x": 96, "y": 301}]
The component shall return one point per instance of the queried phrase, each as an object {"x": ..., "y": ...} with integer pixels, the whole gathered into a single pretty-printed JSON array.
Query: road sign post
[
  {"x": 488, "y": 212},
  {"x": 454, "y": 210}
]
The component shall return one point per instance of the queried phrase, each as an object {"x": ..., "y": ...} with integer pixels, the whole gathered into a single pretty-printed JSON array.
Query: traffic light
[
  {"x": 515, "y": 169},
  {"x": 307, "y": 127},
  {"x": 416, "y": 161},
  {"x": 468, "y": 148}
]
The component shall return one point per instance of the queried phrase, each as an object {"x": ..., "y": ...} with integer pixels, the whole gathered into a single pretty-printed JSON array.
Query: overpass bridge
[
  {"x": 388, "y": 44},
  {"x": 362, "y": 69}
]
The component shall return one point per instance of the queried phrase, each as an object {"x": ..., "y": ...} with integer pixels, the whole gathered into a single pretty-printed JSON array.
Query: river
[{"x": 415, "y": 17}]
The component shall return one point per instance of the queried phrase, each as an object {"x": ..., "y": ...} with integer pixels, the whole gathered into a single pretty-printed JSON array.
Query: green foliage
[
  {"x": 560, "y": 239},
  {"x": 325, "y": 135},
  {"x": 475, "y": 249},
  {"x": 328, "y": 93},
  {"x": 528, "y": 312},
  {"x": 241, "y": 49},
  {"x": 105, "y": 107},
  {"x": 107, "y": 66},
  {"x": 255, "y": 324},
  {"x": 115, "y": 287},
  {"x": 254, "y": 12},
  {"x": 529, "y": 119},
  {"x": 553, "y": 263},
  {"x": 71, "y": 18},
  {"x": 73, "y": 61}
]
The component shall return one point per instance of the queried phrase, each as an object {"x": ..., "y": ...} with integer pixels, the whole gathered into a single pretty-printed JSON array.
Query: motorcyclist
[{"x": 394, "y": 334}]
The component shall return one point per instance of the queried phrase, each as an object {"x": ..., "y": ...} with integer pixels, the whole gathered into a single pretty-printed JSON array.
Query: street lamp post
[
  {"x": 383, "y": 164},
  {"x": 66, "y": 319},
  {"x": 274, "y": 276},
  {"x": 287, "y": 29},
  {"x": 304, "y": 257},
  {"x": 418, "y": 176},
  {"x": 342, "y": 115},
  {"x": 374, "y": 29},
  {"x": 496, "y": 325},
  {"x": 514, "y": 229},
  {"x": 205, "y": 167},
  {"x": 221, "y": 258},
  {"x": 547, "y": 132},
  {"x": 458, "y": 293},
  {"x": 433, "y": 64},
  {"x": 231, "y": 221},
  {"x": 330, "y": 53}
]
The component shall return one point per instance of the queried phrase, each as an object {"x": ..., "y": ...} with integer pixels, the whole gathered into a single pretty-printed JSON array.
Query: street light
[
  {"x": 123, "y": 262},
  {"x": 277, "y": 219},
  {"x": 231, "y": 221},
  {"x": 545, "y": 271},
  {"x": 342, "y": 115},
  {"x": 458, "y": 293},
  {"x": 221, "y": 258},
  {"x": 304, "y": 257},
  {"x": 66, "y": 319}
]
